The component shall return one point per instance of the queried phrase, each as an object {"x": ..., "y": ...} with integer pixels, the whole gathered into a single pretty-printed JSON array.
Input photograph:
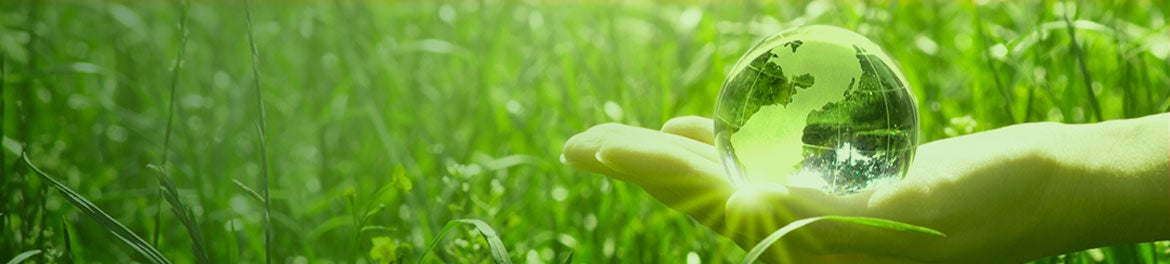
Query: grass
[
  {"x": 105, "y": 220},
  {"x": 498, "y": 250},
  {"x": 385, "y": 122},
  {"x": 758, "y": 249},
  {"x": 262, "y": 129},
  {"x": 24, "y": 256},
  {"x": 1085, "y": 73},
  {"x": 183, "y": 212},
  {"x": 175, "y": 68},
  {"x": 168, "y": 191}
]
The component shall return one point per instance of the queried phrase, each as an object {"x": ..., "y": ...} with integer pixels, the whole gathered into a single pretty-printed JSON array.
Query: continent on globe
[
  {"x": 816, "y": 106},
  {"x": 863, "y": 122},
  {"x": 773, "y": 87}
]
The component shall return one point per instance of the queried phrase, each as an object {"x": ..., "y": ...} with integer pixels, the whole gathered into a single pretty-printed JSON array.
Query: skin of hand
[{"x": 1007, "y": 195}]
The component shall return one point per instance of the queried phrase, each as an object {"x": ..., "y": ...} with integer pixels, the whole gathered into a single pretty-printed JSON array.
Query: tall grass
[
  {"x": 433, "y": 112},
  {"x": 168, "y": 191},
  {"x": 995, "y": 72},
  {"x": 66, "y": 257},
  {"x": 3, "y": 152},
  {"x": 184, "y": 213},
  {"x": 499, "y": 253},
  {"x": 261, "y": 127},
  {"x": 1085, "y": 73},
  {"x": 105, "y": 220},
  {"x": 23, "y": 256}
]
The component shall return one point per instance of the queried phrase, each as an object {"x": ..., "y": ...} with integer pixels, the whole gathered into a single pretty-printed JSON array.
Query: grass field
[{"x": 383, "y": 122}]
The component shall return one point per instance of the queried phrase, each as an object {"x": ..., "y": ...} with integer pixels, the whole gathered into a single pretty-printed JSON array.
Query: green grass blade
[
  {"x": 236, "y": 239},
  {"x": 435, "y": 242},
  {"x": 991, "y": 66},
  {"x": 499, "y": 253},
  {"x": 771, "y": 239},
  {"x": 1123, "y": 254},
  {"x": 178, "y": 64},
  {"x": 255, "y": 196},
  {"x": 175, "y": 77},
  {"x": 24, "y": 256},
  {"x": 184, "y": 213},
  {"x": 133, "y": 240},
  {"x": 1088, "y": 78},
  {"x": 569, "y": 258},
  {"x": 887, "y": 224},
  {"x": 68, "y": 254},
  {"x": 3, "y": 156},
  {"x": 261, "y": 126},
  {"x": 875, "y": 222},
  {"x": 376, "y": 229},
  {"x": 157, "y": 220}
]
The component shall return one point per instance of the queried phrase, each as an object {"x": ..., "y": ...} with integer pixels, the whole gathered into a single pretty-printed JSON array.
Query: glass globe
[{"x": 816, "y": 106}]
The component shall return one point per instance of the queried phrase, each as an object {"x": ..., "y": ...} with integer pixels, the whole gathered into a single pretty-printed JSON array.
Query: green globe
[{"x": 816, "y": 106}]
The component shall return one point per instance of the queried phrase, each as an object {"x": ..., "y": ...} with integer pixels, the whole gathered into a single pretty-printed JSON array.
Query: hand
[{"x": 989, "y": 192}]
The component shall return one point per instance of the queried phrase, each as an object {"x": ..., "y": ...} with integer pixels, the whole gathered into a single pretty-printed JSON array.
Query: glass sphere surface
[{"x": 816, "y": 106}]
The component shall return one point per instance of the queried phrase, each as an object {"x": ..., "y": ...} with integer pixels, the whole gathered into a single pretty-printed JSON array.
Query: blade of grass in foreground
[
  {"x": 3, "y": 157},
  {"x": 875, "y": 222},
  {"x": 1076, "y": 47},
  {"x": 261, "y": 127},
  {"x": 999, "y": 85},
  {"x": 24, "y": 256},
  {"x": 183, "y": 212},
  {"x": 249, "y": 191},
  {"x": 499, "y": 253},
  {"x": 178, "y": 64},
  {"x": 133, "y": 240},
  {"x": 68, "y": 254},
  {"x": 169, "y": 190}
]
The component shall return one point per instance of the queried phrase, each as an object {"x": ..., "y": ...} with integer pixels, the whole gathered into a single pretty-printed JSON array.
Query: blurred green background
[{"x": 387, "y": 120}]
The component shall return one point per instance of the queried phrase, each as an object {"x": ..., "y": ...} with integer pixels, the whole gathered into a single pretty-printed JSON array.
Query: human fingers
[
  {"x": 580, "y": 151},
  {"x": 663, "y": 160},
  {"x": 677, "y": 171},
  {"x": 692, "y": 127},
  {"x": 680, "y": 172}
]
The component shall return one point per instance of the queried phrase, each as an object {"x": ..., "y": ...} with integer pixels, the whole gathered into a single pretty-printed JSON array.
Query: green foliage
[
  {"x": 499, "y": 252},
  {"x": 459, "y": 111},
  {"x": 113, "y": 226},
  {"x": 23, "y": 256},
  {"x": 262, "y": 131},
  {"x": 387, "y": 250},
  {"x": 170, "y": 193}
]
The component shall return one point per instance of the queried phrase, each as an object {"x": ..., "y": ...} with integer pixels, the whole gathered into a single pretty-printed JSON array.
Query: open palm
[{"x": 977, "y": 189}]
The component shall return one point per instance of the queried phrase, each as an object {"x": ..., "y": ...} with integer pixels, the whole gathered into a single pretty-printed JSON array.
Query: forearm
[{"x": 1110, "y": 184}]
